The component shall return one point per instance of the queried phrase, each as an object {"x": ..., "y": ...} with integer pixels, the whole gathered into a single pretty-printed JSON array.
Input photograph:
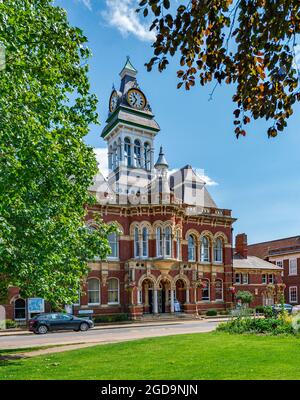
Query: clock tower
[{"x": 129, "y": 132}]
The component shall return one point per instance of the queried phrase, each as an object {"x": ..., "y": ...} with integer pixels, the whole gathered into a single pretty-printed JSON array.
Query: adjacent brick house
[
  {"x": 260, "y": 277},
  {"x": 284, "y": 253}
]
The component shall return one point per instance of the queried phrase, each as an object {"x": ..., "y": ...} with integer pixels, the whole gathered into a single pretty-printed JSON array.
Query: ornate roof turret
[
  {"x": 161, "y": 163},
  {"x": 128, "y": 69}
]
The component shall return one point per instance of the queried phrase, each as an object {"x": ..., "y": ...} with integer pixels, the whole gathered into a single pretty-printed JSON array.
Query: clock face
[
  {"x": 113, "y": 101},
  {"x": 136, "y": 98}
]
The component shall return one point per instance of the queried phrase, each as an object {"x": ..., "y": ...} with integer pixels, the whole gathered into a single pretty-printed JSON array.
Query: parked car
[
  {"x": 278, "y": 307},
  {"x": 296, "y": 309},
  {"x": 44, "y": 323}
]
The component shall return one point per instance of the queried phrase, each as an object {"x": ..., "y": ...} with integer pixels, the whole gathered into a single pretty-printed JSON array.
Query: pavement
[{"x": 69, "y": 340}]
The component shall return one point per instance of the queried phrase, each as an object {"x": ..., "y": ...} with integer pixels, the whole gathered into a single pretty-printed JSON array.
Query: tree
[
  {"x": 250, "y": 44},
  {"x": 244, "y": 296},
  {"x": 45, "y": 167}
]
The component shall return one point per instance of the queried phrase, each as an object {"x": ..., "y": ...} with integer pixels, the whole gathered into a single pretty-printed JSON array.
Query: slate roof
[{"x": 252, "y": 262}]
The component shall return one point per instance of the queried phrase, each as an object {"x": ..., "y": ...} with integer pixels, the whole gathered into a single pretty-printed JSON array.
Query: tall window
[
  {"x": 20, "y": 309},
  {"x": 218, "y": 250},
  {"x": 264, "y": 278},
  {"x": 127, "y": 152},
  {"x": 93, "y": 291},
  {"x": 147, "y": 156},
  {"x": 178, "y": 245},
  {"x": 204, "y": 249},
  {"x": 145, "y": 237},
  {"x": 136, "y": 242},
  {"x": 168, "y": 241},
  {"x": 293, "y": 266},
  {"x": 271, "y": 278},
  {"x": 191, "y": 248},
  {"x": 293, "y": 294},
  {"x": 159, "y": 242},
  {"x": 115, "y": 156},
  {"x": 113, "y": 239},
  {"x": 245, "y": 279},
  {"x": 113, "y": 291},
  {"x": 137, "y": 154},
  {"x": 205, "y": 290},
  {"x": 219, "y": 289},
  {"x": 110, "y": 158}
]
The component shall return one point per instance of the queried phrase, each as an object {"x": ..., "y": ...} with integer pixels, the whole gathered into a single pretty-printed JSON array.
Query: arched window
[
  {"x": 218, "y": 250},
  {"x": 178, "y": 245},
  {"x": 147, "y": 156},
  {"x": 191, "y": 248},
  {"x": 137, "y": 154},
  {"x": 219, "y": 289},
  {"x": 205, "y": 290},
  {"x": 204, "y": 249},
  {"x": 145, "y": 238},
  {"x": 113, "y": 239},
  {"x": 159, "y": 242},
  {"x": 136, "y": 242},
  {"x": 168, "y": 242},
  {"x": 110, "y": 158},
  {"x": 20, "y": 309},
  {"x": 127, "y": 152},
  {"x": 113, "y": 291},
  {"x": 115, "y": 155},
  {"x": 93, "y": 291}
]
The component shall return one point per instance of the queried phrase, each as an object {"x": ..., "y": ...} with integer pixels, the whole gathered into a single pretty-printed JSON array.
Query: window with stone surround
[
  {"x": 113, "y": 239},
  {"x": 293, "y": 294},
  {"x": 205, "y": 290},
  {"x": 293, "y": 266},
  {"x": 93, "y": 291},
  {"x": 113, "y": 291},
  {"x": 219, "y": 289},
  {"x": 191, "y": 248},
  {"x": 145, "y": 241},
  {"x": 137, "y": 252},
  {"x": 245, "y": 279},
  {"x": 218, "y": 250},
  {"x": 204, "y": 249}
]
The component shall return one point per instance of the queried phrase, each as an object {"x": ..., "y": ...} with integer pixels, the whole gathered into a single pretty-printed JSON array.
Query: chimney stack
[{"x": 241, "y": 247}]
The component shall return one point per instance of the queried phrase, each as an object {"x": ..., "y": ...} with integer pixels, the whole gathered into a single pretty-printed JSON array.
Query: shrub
[
  {"x": 271, "y": 326},
  {"x": 260, "y": 309},
  {"x": 110, "y": 318},
  {"x": 211, "y": 313},
  {"x": 10, "y": 324},
  {"x": 268, "y": 312}
]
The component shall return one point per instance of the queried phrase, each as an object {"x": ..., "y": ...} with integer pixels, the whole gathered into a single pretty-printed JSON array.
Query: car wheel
[
  {"x": 42, "y": 329},
  {"x": 84, "y": 327}
]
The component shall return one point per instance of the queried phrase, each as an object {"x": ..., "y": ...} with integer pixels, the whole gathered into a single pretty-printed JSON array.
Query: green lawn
[{"x": 196, "y": 356}]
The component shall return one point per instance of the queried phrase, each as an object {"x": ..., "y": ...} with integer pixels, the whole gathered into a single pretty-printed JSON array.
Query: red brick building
[
  {"x": 260, "y": 277},
  {"x": 173, "y": 252},
  {"x": 284, "y": 253}
]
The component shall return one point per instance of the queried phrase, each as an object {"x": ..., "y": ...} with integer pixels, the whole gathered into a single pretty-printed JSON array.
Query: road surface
[{"x": 107, "y": 335}]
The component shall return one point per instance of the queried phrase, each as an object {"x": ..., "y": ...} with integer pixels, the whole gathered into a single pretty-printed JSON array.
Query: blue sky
[{"x": 258, "y": 178}]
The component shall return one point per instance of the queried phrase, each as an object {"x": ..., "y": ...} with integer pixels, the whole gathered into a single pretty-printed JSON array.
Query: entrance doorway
[{"x": 20, "y": 309}]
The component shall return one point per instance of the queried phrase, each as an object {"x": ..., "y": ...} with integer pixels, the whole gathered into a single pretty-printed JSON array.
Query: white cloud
[
  {"x": 122, "y": 15},
  {"x": 102, "y": 158},
  {"x": 87, "y": 3}
]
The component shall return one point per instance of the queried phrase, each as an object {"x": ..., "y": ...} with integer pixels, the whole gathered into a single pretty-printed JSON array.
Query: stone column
[
  {"x": 155, "y": 302},
  {"x": 172, "y": 301},
  {"x": 187, "y": 296}
]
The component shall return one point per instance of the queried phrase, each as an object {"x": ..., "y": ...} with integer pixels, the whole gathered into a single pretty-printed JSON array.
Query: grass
[
  {"x": 22, "y": 350},
  {"x": 194, "y": 356}
]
